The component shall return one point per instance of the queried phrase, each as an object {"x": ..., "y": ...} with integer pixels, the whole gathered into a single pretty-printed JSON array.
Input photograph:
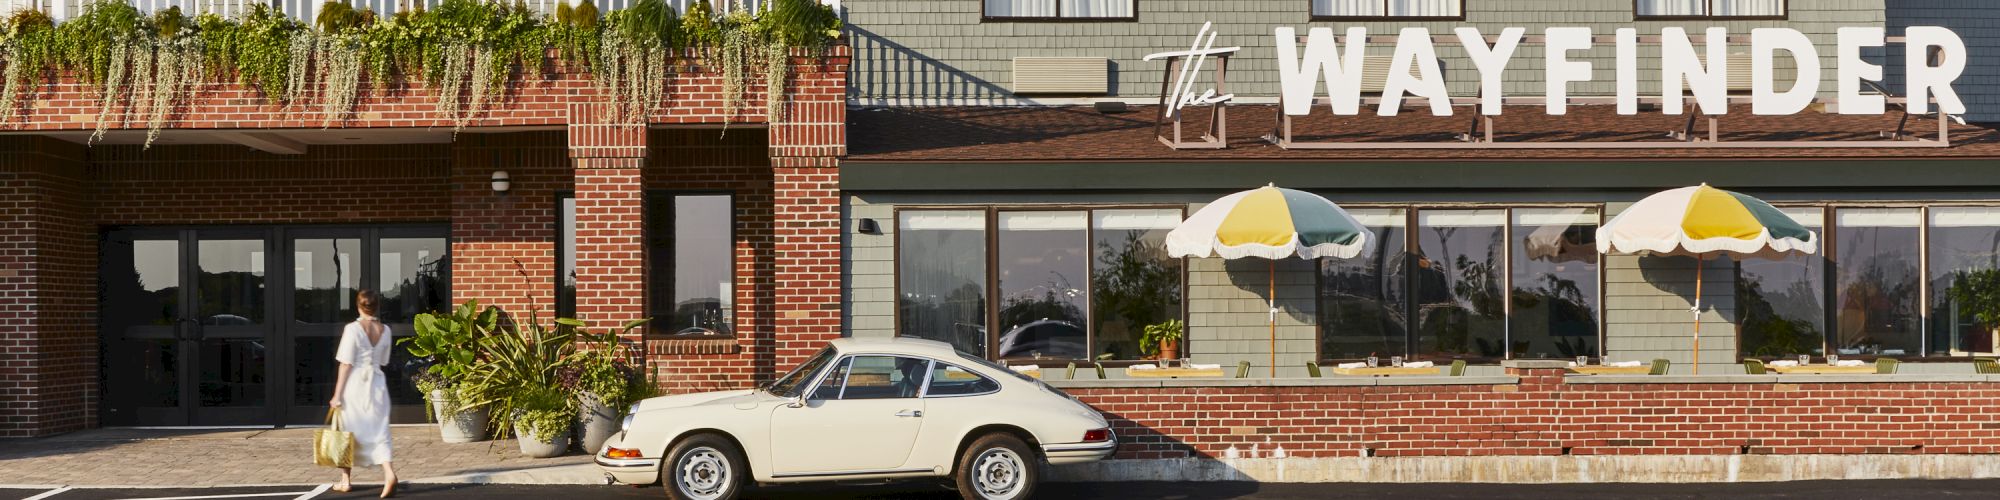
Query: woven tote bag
[{"x": 333, "y": 447}]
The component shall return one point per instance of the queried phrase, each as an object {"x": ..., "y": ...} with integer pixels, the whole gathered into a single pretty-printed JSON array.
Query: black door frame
[{"x": 277, "y": 329}]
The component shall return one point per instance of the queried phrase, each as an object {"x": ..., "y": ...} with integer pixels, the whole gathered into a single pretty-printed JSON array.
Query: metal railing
[{"x": 306, "y": 10}]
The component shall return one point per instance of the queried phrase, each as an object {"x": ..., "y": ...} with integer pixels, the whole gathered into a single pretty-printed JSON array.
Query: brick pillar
[
  {"x": 609, "y": 159},
  {"x": 48, "y": 289},
  {"x": 806, "y": 147}
]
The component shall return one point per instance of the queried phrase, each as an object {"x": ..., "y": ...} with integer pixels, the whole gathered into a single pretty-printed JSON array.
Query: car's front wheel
[
  {"x": 703, "y": 467},
  {"x": 997, "y": 467}
]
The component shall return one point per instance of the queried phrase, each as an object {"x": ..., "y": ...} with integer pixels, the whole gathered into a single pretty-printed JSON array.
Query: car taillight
[
  {"x": 1093, "y": 436},
  {"x": 621, "y": 453}
]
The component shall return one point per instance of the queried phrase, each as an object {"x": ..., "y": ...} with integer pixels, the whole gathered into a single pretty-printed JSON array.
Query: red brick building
[{"x": 146, "y": 286}]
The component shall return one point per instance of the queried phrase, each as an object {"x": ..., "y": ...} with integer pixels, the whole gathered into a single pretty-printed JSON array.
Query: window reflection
[
  {"x": 1554, "y": 270},
  {"x": 1361, "y": 299},
  {"x": 1782, "y": 301},
  {"x": 413, "y": 277},
  {"x": 942, "y": 277},
  {"x": 1876, "y": 261},
  {"x": 566, "y": 270},
  {"x": 1964, "y": 243},
  {"x": 323, "y": 279},
  {"x": 230, "y": 283},
  {"x": 1460, "y": 306},
  {"x": 1133, "y": 281},
  {"x": 1041, "y": 281},
  {"x": 692, "y": 246}
]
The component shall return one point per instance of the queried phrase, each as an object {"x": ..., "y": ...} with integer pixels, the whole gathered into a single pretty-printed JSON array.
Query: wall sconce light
[
  {"x": 500, "y": 182},
  {"x": 868, "y": 226}
]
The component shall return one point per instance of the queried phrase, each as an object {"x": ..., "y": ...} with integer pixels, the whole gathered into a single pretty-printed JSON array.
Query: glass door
[
  {"x": 320, "y": 303},
  {"x": 234, "y": 348},
  {"x": 145, "y": 329}
]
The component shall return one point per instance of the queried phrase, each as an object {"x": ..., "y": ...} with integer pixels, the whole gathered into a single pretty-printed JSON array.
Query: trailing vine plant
[{"x": 467, "y": 52}]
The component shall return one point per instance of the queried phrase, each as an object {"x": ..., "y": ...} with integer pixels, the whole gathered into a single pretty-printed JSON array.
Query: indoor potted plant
[
  {"x": 451, "y": 343},
  {"x": 1977, "y": 294},
  {"x": 605, "y": 382},
  {"x": 543, "y": 417},
  {"x": 1163, "y": 339}
]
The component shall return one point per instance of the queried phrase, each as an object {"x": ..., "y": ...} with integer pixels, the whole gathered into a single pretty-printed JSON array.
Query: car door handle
[{"x": 911, "y": 413}]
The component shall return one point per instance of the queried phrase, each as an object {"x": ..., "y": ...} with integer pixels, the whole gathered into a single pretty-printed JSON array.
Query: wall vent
[{"x": 1062, "y": 75}]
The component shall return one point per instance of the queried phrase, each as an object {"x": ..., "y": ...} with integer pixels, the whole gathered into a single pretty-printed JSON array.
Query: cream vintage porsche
[{"x": 862, "y": 409}]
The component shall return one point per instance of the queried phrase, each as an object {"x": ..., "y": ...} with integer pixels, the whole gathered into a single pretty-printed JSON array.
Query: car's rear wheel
[
  {"x": 997, "y": 467},
  {"x": 703, "y": 467}
]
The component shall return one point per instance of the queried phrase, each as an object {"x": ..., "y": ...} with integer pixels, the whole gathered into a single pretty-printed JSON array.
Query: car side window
[
  {"x": 948, "y": 380},
  {"x": 883, "y": 377},
  {"x": 829, "y": 388}
]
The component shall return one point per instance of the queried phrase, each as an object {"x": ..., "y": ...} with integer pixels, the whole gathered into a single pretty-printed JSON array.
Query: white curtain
[
  {"x": 1348, "y": 8},
  {"x": 1097, "y": 8},
  {"x": 1674, "y": 7},
  {"x": 1423, "y": 8},
  {"x": 1749, "y": 8},
  {"x": 1020, "y": 8}
]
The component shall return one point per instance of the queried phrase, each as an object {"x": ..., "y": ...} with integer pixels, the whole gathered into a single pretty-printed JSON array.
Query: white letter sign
[
  {"x": 1298, "y": 78},
  {"x": 1561, "y": 70},
  {"x": 1491, "y": 62},
  {"x": 1679, "y": 66},
  {"x": 1413, "y": 46},
  {"x": 1764, "y": 42}
]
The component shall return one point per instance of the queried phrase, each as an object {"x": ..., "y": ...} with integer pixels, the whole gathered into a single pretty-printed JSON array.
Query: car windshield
[{"x": 790, "y": 384}]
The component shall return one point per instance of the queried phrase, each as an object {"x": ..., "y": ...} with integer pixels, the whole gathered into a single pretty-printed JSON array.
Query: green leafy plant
[
  {"x": 603, "y": 368},
  {"x": 1158, "y": 333},
  {"x": 1977, "y": 293},
  {"x": 520, "y": 357},
  {"x": 451, "y": 342},
  {"x": 546, "y": 412}
]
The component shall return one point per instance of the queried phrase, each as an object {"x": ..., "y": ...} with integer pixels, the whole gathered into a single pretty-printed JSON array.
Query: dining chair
[
  {"x": 1458, "y": 368},
  {"x": 1886, "y": 366},
  {"x": 1660, "y": 367},
  {"x": 1100, "y": 370},
  {"x": 1312, "y": 369},
  {"x": 1985, "y": 365},
  {"x": 1753, "y": 367},
  {"x": 1242, "y": 369},
  {"x": 1071, "y": 373}
]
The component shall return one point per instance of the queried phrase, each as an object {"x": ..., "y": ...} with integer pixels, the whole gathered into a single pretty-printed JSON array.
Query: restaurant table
[
  {"x": 1821, "y": 369},
  {"x": 1174, "y": 373},
  {"x": 1612, "y": 370},
  {"x": 1389, "y": 371},
  {"x": 957, "y": 375}
]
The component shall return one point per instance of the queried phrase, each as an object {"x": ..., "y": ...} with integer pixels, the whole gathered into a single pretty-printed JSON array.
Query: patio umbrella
[
  {"x": 1271, "y": 223},
  {"x": 1697, "y": 221}
]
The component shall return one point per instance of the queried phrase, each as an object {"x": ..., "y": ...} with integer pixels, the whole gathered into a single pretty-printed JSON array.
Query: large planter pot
[
  {"x": 595, "y": 422},
  {"x": 465, "y": 427},
  {"x": 540, "y": 446}
]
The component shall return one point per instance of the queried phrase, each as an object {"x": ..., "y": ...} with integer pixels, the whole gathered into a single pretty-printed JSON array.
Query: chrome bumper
[{"x": 1072, "y": 453}]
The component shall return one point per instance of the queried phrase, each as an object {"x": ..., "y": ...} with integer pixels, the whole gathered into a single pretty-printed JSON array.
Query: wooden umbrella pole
[
  {"x": 1273, "y": 315},
  {"x": 1699, "y": 262}
]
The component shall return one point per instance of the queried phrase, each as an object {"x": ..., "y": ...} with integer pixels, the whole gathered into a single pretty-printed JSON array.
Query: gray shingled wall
[
  {"x": 1975, "y": 21},
  {"x": 940, "y": 49}
]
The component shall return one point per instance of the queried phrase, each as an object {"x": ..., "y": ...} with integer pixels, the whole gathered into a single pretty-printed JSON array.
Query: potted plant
[
  {"x": 605, "y": 383},
  {"x": 1977, "y": 294},
  {"x": 1162, "y": 339},
  {"x": 451, "y": 343},
  {"x": 517, "y": 367},
  {"x": 543, "y": 417}
]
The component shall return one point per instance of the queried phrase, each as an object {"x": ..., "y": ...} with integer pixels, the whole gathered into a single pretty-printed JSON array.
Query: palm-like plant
[{"x": 522, "y": 357}]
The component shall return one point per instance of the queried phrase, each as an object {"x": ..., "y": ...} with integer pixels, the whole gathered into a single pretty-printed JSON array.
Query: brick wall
[
  {"x": 48, "y": 354},
  {"x": 1542, "y": 415},
  {"x": 216, "y": 184},
  {"x": 503, "y": 250}
]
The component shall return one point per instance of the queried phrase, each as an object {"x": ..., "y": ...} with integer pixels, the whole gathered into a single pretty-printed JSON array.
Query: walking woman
[{"x": 360, "y": 393}]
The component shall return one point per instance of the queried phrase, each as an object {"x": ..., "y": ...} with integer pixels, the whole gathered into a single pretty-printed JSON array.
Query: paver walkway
[{"x": 188, "y": 457}]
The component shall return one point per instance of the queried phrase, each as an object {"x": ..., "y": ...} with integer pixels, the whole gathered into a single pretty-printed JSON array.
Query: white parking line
[
  {"x": 315, "y": 492},
  {"x": 50, "y": 493},
  {"x": 294, "y": 494}
]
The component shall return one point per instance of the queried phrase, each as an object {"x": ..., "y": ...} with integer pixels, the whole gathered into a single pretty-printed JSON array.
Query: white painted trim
[
  {"x": 244, "y": 495},
  {"x": 898, "y": 102}
]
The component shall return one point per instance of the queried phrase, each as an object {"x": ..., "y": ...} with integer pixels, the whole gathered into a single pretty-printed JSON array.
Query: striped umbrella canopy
[
  {"x": 1269, "y": 222},
  {"x": 1700, "y": 220},
  {"x": 1697, "y": 220},
  {"x": 1272, "y": 223}
]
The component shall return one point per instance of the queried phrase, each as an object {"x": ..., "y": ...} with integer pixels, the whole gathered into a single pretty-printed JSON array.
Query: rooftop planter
[{"x": 469, "y": 55}]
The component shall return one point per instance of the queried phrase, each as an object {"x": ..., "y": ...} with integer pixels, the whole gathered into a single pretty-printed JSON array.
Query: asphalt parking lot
[{"x": 1815, "y": 490}]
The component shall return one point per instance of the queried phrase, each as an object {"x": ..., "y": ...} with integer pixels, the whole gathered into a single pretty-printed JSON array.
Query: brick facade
[
  {"x": 1543, "y": 415},
  {"x": 546, "y": 134}
]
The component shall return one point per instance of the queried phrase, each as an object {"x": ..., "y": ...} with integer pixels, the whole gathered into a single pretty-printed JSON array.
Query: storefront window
[
  {"x": 1460, "y": 305},
  {"x": 691, "y": 242},
  {"x": 941, "y": 276},
  {"x": 1361, "y": 299},
  {"x": 1782, "y": 301},
  {"x": 1387, "y": 8},
  {"x": 1043, "y": 262},
  {"x": 1133, "y": 281},
  {"x": 1554, "y": 257},
  {"x": 566, "y": 253},
  {"x": 1964, "y": 245},
  {"x": 1877, "y": 256}
]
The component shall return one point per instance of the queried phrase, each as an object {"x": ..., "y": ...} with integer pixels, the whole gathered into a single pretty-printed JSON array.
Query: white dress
[{"x": 364, "y": 407}]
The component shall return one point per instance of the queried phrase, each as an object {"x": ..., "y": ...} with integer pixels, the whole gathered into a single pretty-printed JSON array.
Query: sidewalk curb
[{"x": 573, "y": 474}]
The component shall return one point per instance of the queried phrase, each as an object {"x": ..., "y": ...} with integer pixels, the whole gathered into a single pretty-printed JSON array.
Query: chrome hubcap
[
  {"x": 999, "y": 474},
  {"x": 703, "y": 473}
]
